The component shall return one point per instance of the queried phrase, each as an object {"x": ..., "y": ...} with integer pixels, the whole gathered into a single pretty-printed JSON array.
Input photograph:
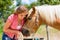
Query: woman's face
[{"x": 22, "y": 15}]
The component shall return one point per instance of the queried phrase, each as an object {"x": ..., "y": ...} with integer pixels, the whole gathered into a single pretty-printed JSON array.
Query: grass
[
  {"x": 1, "y": 27},
  {"x": 42, "y": 29},
  {"x": 0, "y": 35}
]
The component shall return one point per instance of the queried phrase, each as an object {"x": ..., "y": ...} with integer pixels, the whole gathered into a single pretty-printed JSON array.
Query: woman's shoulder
[{"x": 11, "y": 16}]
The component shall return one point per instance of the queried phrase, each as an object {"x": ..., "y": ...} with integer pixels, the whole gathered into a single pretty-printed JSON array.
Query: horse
[
  {"x": 47, "y": 14},
  {"x": 37, "y": 15}
]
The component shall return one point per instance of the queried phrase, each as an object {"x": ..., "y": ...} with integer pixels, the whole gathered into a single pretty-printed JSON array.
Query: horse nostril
[
  {"x": 25, "y": 32},
  {"x": 29, "y": 18}
]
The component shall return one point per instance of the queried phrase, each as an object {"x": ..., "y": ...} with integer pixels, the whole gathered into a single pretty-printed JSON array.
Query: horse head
[{"x": 32, "y": 21}]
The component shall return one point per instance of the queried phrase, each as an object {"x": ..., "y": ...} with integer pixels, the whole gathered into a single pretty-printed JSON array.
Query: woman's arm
[{"x": 7, "y": 30}]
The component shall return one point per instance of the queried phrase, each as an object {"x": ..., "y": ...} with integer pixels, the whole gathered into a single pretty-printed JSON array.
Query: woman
[{"x": 14, "y": 23}]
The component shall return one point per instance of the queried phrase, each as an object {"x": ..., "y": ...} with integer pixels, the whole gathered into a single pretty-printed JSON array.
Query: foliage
[
  {"x": 42, "y": 2},
  {"x": 5, "y": 8},
  {"x": 49, "y": 2},
  {"x": 1, "y": 24},
  {"x": 18, "y": 2}
]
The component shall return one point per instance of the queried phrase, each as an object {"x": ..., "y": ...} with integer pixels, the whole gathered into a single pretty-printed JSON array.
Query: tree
[
  {"x": 18, "y": 2},
  {"x": 5, "y": 8},
  {"x": 49, "y": 2}
]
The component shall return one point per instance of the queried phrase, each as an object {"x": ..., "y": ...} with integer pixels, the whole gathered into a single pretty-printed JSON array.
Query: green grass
[
  {"x": 1, "y": 27},
  {"x": 42, "y": 28},
  {"x": 0, "y": 35}
]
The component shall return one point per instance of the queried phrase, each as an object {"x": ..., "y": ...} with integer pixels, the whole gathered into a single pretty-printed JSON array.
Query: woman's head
[{"x": 21, "y": 11}]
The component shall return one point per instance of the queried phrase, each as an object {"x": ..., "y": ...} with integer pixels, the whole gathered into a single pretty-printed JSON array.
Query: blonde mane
[{"x": 49, "y": 13}]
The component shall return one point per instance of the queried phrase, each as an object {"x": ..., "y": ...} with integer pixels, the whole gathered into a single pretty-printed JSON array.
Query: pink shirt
[{"x": 14, "y": 23}]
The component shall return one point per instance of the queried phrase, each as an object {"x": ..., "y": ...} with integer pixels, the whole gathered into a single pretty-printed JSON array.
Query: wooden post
[{"x": 47, "y": 32}]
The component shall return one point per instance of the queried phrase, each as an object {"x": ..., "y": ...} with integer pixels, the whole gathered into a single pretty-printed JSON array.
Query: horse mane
[{"x": 49, "y": 13}]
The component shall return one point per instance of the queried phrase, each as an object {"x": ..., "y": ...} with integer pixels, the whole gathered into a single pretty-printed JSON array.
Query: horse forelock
[{"x": 31, "y": 12}]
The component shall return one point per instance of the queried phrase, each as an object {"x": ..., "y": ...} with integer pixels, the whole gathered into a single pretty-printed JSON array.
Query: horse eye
[
  {"x": 26, "y": 15},
  {"x": 29, "y": 18}
]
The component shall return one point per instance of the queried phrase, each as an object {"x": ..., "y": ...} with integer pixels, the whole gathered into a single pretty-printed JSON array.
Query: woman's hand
[{"x": 19, "y": 36}]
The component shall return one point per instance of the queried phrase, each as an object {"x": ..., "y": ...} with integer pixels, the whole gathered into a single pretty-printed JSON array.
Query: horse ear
[
  {"x": 32, "y": 12},
  {"x": 33, "y": 9}
]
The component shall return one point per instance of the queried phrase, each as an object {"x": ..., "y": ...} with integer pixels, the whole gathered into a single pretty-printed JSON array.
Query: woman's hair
[{"x": 21, "y": 9}]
